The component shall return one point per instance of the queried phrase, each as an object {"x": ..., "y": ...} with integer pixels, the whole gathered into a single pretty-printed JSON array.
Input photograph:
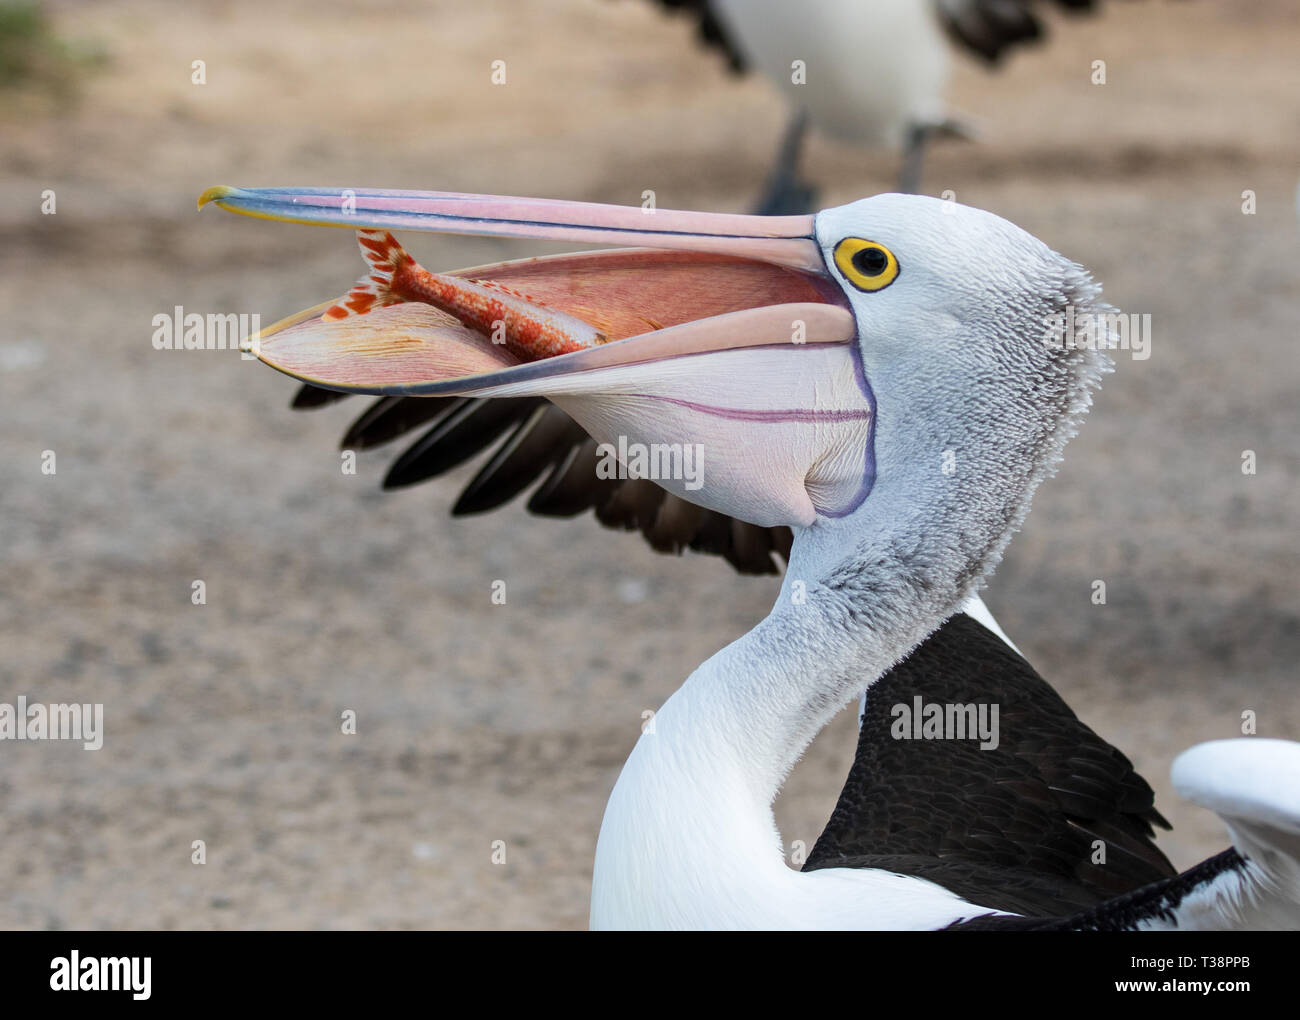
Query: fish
[{"x": 528, "y": 328}]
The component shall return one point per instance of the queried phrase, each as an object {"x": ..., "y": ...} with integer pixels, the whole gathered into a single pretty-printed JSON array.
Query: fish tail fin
[{"x": 384, "y": 257}]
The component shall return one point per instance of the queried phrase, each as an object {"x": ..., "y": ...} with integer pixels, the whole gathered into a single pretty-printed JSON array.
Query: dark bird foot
[
  {"x": 785, "y": 194},
  {"x": 787, "y": 198},
  {"x": 915, "y": 144}
]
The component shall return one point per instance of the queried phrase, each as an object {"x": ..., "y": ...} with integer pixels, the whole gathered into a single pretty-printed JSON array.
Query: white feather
[
  {"x": 871, "y": 68},
  {"x": 1253, "y": 784}
]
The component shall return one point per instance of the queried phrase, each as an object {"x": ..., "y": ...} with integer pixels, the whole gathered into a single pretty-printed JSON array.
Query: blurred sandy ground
[{"x": 480, "y": 723}]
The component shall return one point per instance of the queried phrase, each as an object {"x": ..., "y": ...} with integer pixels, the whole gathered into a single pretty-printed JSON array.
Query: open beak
[{"x": 722, "y": 333}]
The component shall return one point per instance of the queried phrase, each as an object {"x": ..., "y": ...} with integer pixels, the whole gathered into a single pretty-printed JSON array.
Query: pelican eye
[{"x": 865, "y": 264}]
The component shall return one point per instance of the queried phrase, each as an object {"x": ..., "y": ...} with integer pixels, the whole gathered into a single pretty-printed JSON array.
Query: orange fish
[{"x": 524, "y": 325}]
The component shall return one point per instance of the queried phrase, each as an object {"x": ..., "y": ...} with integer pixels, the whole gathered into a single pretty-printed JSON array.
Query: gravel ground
[{"x": 476, "y": 722}]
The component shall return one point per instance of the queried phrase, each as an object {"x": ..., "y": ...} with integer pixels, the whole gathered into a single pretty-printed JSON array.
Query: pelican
[
  {"x": 885, "y": 379},
  {"x": 866, "y": 74}
]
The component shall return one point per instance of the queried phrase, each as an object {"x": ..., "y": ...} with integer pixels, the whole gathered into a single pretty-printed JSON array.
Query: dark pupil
[{"x": 870, "y": 261}]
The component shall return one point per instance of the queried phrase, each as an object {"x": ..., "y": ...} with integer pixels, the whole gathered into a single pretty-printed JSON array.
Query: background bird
[{"x": 866, "y": 74}]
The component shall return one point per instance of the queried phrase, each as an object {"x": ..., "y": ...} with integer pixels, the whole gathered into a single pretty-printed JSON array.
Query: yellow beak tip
[{"x": 216, "y": 193}]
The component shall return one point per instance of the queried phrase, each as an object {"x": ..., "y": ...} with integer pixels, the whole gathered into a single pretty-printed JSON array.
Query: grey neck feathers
[{"x": 957, "y": 465}]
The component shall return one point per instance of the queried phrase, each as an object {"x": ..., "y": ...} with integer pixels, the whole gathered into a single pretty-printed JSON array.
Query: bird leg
[
  {"x": 917, "y": 138},
  {"x": 909, "y": 180},
  {"x": 784, "y": 194}
]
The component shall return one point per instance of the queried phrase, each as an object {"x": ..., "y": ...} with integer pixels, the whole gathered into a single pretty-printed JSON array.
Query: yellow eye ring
[{"x": 865, "y": 264}]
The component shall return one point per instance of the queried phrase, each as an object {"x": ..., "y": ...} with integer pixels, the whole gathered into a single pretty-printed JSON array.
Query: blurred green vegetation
[{"x": 32, "y": 54}]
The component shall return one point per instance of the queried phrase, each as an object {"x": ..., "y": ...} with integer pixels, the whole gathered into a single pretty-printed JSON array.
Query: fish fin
[{"x": 384, "y": 257}]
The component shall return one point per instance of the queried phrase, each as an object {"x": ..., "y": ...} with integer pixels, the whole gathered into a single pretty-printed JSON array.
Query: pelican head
[{"x": 898, "y": 344}]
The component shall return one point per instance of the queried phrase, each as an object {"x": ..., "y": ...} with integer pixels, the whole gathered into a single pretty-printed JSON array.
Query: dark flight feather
[
  {"x": 541, "y": 440},
  {"x": 991, "y": 28},
  {"x": 1157, "y": 901},
  {"x": 710, "y": 31},
  {"x": 987, "y": 29},
  {"x": 1012, "y": 828}
]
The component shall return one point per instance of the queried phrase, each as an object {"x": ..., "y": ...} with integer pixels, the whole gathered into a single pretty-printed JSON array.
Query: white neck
[{"x": 688, "y": 838}]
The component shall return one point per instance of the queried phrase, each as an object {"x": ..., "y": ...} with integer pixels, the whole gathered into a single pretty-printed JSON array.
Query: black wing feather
[
  {"x": 469, "y": 428},
  {"x": 1011, "y": 828},
  {"x": 309, "y": 396},
  {"x": 709, "y": 30},
  {"x": 986, "y": 28},
  {"x": 536, "y": 444},
  {"x": 991, "y": 28},
  {"x": 390, "y": 417},
  {"x": 573, "y": 487},
  {"x": 543, "y": 440}
]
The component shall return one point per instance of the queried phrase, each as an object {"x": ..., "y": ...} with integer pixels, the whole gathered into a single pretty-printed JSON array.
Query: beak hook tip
[{"x": 216, "y": 193}]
